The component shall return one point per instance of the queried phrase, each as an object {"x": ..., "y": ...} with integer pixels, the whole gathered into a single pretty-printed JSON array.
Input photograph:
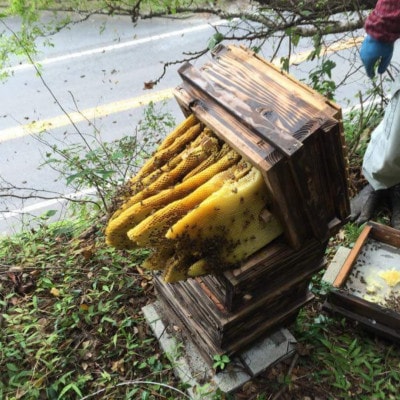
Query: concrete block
[
  {"x": 336, "y": 264},
  {"x": 191, "y": 368}
]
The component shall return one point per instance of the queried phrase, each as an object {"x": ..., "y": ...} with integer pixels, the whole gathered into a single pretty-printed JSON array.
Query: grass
[
  {"x": 118, "y": 7},
  {"x": 71, "y": 321}
]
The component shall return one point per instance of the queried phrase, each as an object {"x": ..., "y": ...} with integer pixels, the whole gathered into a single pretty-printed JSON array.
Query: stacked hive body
[
  {"x": 293, "y": 136},
  {"x": 223, "y": 314}
]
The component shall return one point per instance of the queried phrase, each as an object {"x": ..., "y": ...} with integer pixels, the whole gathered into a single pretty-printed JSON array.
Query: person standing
[{"x": 381, "y": 162}]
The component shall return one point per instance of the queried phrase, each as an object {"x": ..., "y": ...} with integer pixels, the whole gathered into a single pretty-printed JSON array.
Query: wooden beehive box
[
  {"x": 266, "y": 271},
  {"x": 226, "y": 313},
  {"x": 361, "y": 292},
  {"x": 214, "y": 330},
  {"x": 294, "y": 137},
  {"x": 291, "y": 133}
]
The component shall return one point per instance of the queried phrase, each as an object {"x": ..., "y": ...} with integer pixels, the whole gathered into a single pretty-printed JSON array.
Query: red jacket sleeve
[{"x": 384, "y": 22}]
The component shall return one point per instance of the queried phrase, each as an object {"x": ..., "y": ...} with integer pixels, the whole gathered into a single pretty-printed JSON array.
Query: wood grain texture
[{"x": 351, "y": 259}]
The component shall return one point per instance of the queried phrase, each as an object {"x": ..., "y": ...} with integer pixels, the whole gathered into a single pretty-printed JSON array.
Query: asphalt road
[
  {"x": 99, "y": 75},
  {"x": 97, "y": 69}
]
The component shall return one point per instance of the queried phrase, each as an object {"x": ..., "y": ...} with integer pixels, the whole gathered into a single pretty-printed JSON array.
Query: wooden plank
[
  {"x": 175, "y": 301},
  {"x": 345, "y": 271},
  {"x": 281, "y": 95},
  {"x": 278, "y": 255},
  {"x": 281, "y": 320},
  {"x": 285, "y": 204},
  {"x": 220, "y": 305},
  {"x": 209, "y": 348},
  {"x": 333, "y": 152},
  {"x": 336, "y": 264},
  {"x": 241, "y": 338},
  {"x": 265, "y": 129},
  {"x": 385, "y": 234},
  {"x": 205, "y": 345},
  {"x": 226, "y": 127},
  {"x": 235, "y": 337},
  {"x": 218, "y": 288},
  {"x": 265, "y": 271},
  {"x": 277, "y": 278},
  {"x": 252, "y": 92},
  {"x": 205, "y": 309},
  {"x": 242, "y": 59},
  {"x": 366, "y": 322},
  {"x": 307, "y": 169},
  {"x": 281, "y": 280}
]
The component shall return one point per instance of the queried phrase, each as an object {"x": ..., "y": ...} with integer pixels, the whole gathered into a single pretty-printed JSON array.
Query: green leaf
[
  {"x": 48, "y": 214},
  {"x": 110, "y": 320},
  {"x": 215, "y": 39},
  {"x": 12, "y": 367},
  {"x": 225, "y": 359},
  {"x": 69, "y": 387},
  {"x": 145, "y": 395},
  {"x": 73, "y": 177}
]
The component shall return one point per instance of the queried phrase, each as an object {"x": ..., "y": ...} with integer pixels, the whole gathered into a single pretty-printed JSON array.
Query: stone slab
[{"x": 191, "y": 368}]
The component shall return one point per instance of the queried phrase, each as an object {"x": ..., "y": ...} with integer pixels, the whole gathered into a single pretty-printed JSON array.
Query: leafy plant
[
  {"x": 89, "y": 162},
  {"x": 220, "y": 361},
  {"x": 321, "y": 79}
]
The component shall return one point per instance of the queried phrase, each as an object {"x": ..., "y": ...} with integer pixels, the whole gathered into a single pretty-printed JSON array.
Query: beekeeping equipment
[
  {"x": 294, "y": 136},
  {"x": 367, "y": 286}
]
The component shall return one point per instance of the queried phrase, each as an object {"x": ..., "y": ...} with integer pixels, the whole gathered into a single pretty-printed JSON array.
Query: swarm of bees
[{"x": 196, "y": 203}]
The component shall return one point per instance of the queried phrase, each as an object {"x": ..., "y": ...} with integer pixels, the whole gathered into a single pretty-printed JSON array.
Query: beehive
[
  {"x": 291, "y": 133},
  {"x": 294, "y": 136}
]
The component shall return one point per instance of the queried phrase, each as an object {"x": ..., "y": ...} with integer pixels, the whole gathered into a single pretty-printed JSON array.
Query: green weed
[
  {"x": 87, "y": 161},
  {"x": 71, "y": 319},
  {"x": 220, "y": 361}
]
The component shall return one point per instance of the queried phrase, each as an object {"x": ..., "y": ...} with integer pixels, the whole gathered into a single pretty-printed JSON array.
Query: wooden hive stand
[{"x": 294, "y": 136}]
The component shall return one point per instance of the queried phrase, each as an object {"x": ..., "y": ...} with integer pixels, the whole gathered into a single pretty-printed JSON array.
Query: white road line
[
  {"x": 117, "y": 46},
  {"x": 46, "y": 203}
]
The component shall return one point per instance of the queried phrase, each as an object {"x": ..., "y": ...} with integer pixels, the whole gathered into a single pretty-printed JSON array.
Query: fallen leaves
[
  {"x": 118, "y": 366},
  {"x": 55, "y": 292},
  {"x": 23, "y": 282}
]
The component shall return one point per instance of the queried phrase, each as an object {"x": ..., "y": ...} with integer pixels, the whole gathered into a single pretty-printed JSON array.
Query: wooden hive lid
[{"x": 259, "y": 110}]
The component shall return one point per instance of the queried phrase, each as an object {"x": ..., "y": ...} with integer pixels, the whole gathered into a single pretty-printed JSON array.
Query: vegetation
[
  {"x": 71, "y": 324},
  {"x": 72, "y": 327}
]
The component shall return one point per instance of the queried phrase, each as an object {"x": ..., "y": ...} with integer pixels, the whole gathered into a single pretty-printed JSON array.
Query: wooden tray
[{"x": 365, "y": 288}]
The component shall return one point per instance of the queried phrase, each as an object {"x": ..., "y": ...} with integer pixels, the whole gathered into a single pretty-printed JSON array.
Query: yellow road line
[
  {"x": 85, "y": 115},
  {"x": 333, "y": 48}
]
